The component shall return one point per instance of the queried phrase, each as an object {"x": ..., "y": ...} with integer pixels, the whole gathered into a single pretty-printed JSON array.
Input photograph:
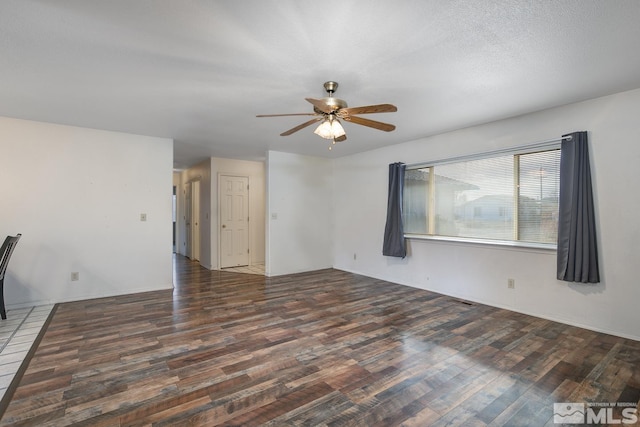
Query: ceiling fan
[{"x": 329, "y": 111}]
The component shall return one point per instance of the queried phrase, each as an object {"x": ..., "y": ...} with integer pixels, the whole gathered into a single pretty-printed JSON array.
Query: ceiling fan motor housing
[{"x": 333, "y": 103}]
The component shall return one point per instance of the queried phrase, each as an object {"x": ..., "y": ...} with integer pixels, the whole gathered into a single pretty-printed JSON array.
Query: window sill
[{"x": 496, "y": 243}]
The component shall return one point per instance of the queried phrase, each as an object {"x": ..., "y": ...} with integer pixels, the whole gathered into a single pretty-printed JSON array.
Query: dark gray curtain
[
  {"x": 577, "y": 249},
  {"x": 394, "y": 244}
]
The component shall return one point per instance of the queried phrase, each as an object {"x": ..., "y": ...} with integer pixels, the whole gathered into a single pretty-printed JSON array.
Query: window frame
[{"x": 515, "y": 153}]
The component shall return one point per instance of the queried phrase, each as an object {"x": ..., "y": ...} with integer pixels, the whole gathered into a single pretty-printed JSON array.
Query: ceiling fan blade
[
  {"x": 370, "y": 123},
  {"x": 341, "y": 138},
  {"x": 302, "y": 126},
  {"x": 369, "y": 109},
  {"x": 321, "y": 105},
  {"x": 282, "y": 115}
]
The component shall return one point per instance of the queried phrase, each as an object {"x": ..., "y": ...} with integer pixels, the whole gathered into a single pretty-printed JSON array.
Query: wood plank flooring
[{"x": 325, "y": 348}]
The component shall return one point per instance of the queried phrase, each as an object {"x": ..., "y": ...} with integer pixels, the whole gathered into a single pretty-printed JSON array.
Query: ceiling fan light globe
[
  {"x": 336, "y": 129},
  {"x": 324, "y": 130}
]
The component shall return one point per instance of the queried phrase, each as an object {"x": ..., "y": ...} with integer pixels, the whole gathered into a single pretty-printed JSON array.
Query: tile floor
[
  {"x": 17, "y": 334},
  {"x": 247, "y": 269}
]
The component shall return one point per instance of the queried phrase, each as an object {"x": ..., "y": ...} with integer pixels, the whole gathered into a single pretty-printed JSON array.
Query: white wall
[
  {"x": 76, "y": 196},
  {"x": 479, "y": 272},
  {"x": 299, "y": 213}
]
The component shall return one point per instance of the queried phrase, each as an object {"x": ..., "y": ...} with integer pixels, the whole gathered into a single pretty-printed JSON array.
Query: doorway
[{"x": 174, "y": 215}]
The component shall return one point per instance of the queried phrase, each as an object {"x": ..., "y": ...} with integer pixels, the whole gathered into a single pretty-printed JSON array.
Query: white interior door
[
  {"x": 187, "y": 220},
  {"x": 195, "y": 220},
  {"x": 234, "y": 220}
]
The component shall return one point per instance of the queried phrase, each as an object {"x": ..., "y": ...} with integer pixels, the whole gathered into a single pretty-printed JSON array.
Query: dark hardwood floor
[{"x": 324, "y": 348}]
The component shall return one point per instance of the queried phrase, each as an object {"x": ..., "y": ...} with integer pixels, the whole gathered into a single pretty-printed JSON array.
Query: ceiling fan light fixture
[{"x": 330, "y": 129}]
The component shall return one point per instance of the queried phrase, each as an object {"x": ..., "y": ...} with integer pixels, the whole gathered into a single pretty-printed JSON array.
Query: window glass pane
[
  {"x": 475, "y": 198},
  {"x": 415, "y": 213},
  {"x": 538, "y": 197},
  {"x": 508, "y": 197}
]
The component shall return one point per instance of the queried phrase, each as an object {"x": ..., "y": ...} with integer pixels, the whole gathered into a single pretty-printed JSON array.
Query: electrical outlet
[
  {"x": 75, "y": 276},
  {"x": 511, "y": 283},
  {"x": 143, "y": 217}
]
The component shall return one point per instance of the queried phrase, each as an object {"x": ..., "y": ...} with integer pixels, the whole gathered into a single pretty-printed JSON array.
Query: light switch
[{"x": 143, "y": 217}]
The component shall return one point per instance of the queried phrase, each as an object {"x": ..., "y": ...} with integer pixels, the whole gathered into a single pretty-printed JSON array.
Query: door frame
[{"x": 219, "y": 225}]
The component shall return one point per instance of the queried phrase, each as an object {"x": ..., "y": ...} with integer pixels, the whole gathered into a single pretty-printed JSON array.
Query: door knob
[{"x": 224, "y": 226}]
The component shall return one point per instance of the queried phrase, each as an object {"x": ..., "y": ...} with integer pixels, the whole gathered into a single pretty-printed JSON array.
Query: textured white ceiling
[{"x": 199, "y": 71}]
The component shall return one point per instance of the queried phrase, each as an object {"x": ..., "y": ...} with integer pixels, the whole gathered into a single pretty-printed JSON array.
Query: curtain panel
[
  {"x": 394, "y": 242},
  {"x": 577, "y": 248}
]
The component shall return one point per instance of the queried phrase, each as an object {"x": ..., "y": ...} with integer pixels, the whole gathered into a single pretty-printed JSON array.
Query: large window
[{"x": 512, "y": 197}]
